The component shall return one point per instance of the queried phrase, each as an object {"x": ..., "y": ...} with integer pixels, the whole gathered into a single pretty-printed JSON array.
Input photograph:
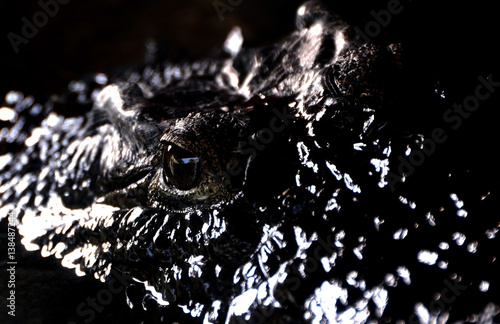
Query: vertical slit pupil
[{"x": 181, "y": 167}]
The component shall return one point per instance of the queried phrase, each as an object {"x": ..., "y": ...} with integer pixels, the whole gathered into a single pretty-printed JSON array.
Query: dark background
[
  {"x": 103, "y": 35},
  {"x": 454, "y": 40}
]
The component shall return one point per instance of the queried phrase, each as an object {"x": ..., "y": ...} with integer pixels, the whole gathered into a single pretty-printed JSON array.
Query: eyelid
[
  {"x": 183, "y": 139},
  {"x": 166, "y": 143}
]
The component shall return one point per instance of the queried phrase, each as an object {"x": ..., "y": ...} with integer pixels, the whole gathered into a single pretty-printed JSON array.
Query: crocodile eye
[{"x": 181, "y": 167}]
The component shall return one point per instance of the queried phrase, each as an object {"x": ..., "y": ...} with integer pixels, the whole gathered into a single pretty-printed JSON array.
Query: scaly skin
[{"x": 250, "y": 184}]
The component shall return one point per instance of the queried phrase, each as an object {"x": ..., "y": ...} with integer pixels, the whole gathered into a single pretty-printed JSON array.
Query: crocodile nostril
[{"x": 181, "y": 168}]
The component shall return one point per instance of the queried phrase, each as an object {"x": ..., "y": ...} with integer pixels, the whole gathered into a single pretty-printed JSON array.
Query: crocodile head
[{"x": 256, "y": 183}]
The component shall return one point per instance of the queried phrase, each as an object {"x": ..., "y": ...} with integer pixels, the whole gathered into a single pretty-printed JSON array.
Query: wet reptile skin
[{"x": 251, "y": 187}]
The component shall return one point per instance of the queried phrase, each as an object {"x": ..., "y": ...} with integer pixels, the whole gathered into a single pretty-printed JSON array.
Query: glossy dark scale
[{"x": 262, "y": 186}]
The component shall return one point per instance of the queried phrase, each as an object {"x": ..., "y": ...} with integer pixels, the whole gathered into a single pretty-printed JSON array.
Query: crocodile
[{"x": 259, "y": 185}]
